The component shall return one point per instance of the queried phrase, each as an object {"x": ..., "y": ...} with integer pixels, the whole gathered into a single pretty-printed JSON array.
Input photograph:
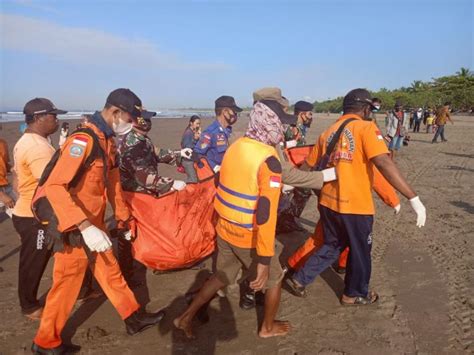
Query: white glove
[
  {"x": 217, "y": 168},
  {"x": 291, "y": 144},
  {"x": 329, "y": 174},
  {"x": 96, "y": 239},
  {"x": 420, "y": 211},
  {"x": 186, "y": 153},
  {"x": 178, "y": 185},
  {"x": 397, "y": 209},
  {"x": 287, "y": 188},
  {"x": 128, "y": 235}
]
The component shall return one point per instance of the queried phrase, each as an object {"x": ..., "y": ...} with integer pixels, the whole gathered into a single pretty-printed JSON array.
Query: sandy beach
[{"x": 424, "y": 276}]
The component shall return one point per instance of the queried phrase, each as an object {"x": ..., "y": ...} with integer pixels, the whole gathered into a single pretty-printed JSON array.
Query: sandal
[
  {"x": 371, "y": 298},
  {"x": 295, "y": 288}
]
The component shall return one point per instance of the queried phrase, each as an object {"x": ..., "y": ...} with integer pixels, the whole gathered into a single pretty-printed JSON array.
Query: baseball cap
[
  {"x": 125, "y": 99},
  {"x": 303, "y": 106},
  {"x": 41, "y": 105},
  {"x": 276, "y": 107},
  {"x": 147, "y": 115},
  {"x": 227, "y": 101},
  {"x": 357, "y": 96},
  {"x": 270, "y": 93}
]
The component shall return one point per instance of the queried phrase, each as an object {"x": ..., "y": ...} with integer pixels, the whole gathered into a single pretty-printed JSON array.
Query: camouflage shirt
[
  {"x": 297, "y": 132},
  {"x": 138, "y": 162}
]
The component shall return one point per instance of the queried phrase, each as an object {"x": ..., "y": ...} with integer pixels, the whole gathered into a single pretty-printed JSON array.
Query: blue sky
[{"x": 186, "y": 53}]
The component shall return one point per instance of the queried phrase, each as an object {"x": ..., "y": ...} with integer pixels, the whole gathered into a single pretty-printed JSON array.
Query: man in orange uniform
[
  {"x": 316, "y": 241},
  {"x": 246, "y": 203},
  {"x": 345, "y": 205},
  {"x": 80, "y": 210}
]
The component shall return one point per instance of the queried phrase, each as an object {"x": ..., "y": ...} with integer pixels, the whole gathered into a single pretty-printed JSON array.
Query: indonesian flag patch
[
  {"x": 275, "y": 181},
  {"x": 379, "y": 135},
  {"x": 80, "y": 140}
]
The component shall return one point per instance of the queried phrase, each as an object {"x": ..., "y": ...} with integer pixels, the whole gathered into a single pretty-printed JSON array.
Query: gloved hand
[
  {"x": 287, "y": 188},
  {"x": 217, "y": 168},
  {"x": 96, "y": 239},
  {"x": 291, "y": 144},
  {"x": 329, "y": 174},
  {"x": 420, "y": 211},
  {"x": 178, "y": 185},
  {"x": 186, "y": 153},
  {"x": 397, "y": 209}
]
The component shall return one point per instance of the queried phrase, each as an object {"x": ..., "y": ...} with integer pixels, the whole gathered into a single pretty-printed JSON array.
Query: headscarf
[{"x": 264, "y": 125}]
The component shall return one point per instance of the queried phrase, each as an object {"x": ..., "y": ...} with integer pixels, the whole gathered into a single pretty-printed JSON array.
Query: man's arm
[{"x": 390, "y": 171}]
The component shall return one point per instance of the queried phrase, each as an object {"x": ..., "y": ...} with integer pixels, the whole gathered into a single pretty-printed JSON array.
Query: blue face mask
[{"x": 376, "y": 108}]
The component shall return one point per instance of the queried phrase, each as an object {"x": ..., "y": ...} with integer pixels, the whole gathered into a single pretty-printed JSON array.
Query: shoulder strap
[
  {"x": 95, "y": 152},
  {"x": 323, "y": 162}
]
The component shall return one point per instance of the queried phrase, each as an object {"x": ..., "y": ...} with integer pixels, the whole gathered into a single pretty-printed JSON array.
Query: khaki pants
[{"x": 231, "y": 258}]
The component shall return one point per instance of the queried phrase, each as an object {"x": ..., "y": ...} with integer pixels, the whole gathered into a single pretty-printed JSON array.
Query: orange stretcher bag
[{"x": 176, "y": 230}]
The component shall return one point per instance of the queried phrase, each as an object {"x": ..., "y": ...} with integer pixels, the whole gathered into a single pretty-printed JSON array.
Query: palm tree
[{"x": 464, "y": 73}]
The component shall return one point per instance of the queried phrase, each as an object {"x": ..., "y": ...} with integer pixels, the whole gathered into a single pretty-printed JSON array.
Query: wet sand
[{"x": 424, "y": 276}]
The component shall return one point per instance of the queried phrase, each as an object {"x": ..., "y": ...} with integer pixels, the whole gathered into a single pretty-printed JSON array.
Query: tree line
[{"x": 458, "y": 89}]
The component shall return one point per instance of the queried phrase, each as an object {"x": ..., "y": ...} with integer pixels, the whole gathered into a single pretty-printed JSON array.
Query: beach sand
[{"x": 424, "y": 276}]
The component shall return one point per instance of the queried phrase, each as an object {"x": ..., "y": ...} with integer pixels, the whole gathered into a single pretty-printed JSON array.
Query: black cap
[
  {"x": 278, "y": 109},
  {"x": 303, "y": 106},
  {"x": 227, "y": 101},
  {"x": 125, "y": 99},
  {"x": 357, "y": 96},
  {"x": 147, "y": 115},
  {"x": 41, "y": 106}
]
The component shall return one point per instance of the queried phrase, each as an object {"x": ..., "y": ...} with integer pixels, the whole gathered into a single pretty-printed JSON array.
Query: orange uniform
[{"x": 87, "y": 200}]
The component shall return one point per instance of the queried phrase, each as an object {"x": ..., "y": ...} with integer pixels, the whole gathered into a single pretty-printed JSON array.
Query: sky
[{"x": 179, "y": 54}]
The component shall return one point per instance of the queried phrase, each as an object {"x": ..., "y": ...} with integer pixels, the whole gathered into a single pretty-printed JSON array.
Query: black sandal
[{"x": 371, "y": 298}]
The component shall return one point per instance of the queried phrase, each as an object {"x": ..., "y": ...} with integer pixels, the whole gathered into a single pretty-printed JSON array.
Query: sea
[{"x": 18, "y": 116}]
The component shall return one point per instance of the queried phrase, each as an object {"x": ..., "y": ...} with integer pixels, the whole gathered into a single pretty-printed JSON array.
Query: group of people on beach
[{"x": 62, "y": 197}]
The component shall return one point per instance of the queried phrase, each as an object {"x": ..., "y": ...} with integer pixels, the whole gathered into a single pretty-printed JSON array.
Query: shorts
[{"x": 230, "y": 260}]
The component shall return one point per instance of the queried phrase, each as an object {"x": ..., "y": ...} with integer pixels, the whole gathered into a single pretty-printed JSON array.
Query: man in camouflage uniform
[
  {"x": 138, "y": 164},
  {"x": 139, "y": 158},
  {"x": 295, "y": 135}
]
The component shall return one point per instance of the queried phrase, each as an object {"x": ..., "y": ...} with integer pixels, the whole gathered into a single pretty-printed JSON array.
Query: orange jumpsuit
[
  {"x": 385, "y": 191},
  {"x": 87, "y": 200}
]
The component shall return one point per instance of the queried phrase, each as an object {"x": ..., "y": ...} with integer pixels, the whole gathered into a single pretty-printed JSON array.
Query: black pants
[
  {"x": 34, "y": 256},
  {"x": 416, "y": 127},
  {"x": 341, "y": 230}
]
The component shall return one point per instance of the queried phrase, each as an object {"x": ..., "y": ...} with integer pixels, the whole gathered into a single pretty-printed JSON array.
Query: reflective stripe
[
  {"x": 248, "y": 226},
  {"x": 238, "y": 194},
  {"x": 234, "y": 207}
]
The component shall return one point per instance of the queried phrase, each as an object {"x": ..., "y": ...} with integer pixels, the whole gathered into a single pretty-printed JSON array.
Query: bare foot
[
  {"x": 280, "y": 328},
  {"x": 185, "y": 326}
]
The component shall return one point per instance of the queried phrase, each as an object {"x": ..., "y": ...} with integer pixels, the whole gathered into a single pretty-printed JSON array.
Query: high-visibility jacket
[{"x": 238, "y": 190}]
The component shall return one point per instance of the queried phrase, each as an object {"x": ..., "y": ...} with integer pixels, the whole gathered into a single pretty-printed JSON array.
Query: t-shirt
[
  {"x": 442, "y": 116},
  {"x": 31, "y": 154},
  {"x": 360, "y": 141},
  {"x": 4, "y": 163}
]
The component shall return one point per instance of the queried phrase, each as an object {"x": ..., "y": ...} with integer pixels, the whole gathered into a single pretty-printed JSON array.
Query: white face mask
[{"x": 122, "y": 127}]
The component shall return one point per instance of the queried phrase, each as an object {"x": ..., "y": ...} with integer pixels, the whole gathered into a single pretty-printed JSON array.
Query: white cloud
[{"x": 89, "y": 46}]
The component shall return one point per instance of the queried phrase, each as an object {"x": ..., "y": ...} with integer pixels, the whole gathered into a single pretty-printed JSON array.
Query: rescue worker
[
  {"x": 139, "y": 159},
  {"x": 214, "y": 140},
  {"x": 31, "y": 154},
  {"x": 346, "y": 207},
  {"x": 190, "y": 137},
  {"x": 138, "y": 165},
  {"x": 296, "y": 134},
  {"x": 246, "y": 203},
  {"x": 80, "y": 211},
  {"x": 291, "y": 177},
  {"x": 7, "y": 197}
]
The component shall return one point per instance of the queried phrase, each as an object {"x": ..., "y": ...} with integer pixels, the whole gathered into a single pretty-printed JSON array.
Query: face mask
[
  {"x": 121, "y": 127},
  {"x": 376, "y": 108}
]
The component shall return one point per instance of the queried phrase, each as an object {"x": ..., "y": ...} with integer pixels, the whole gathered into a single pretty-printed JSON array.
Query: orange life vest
[{"x": 237, "y": 193}]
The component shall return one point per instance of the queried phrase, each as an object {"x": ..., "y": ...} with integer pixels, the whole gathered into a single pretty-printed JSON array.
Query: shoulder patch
[
  {"x": 274, "y": 165},
  {"x": 76, "y": 150},
  {"x": 80, "y": 139}
]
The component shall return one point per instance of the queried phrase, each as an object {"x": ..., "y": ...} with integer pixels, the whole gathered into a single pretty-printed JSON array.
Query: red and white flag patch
[
  {"x": 80, "y": 140},
  {"x": 379, "y": 135},
  {"x": 275, "y": 181}
]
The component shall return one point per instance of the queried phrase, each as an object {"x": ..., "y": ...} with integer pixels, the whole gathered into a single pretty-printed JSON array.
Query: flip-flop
[{"x": 362, "y": 301}]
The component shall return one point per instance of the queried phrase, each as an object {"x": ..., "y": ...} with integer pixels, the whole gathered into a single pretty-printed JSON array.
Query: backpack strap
[{"x": 323, "y": 162}]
